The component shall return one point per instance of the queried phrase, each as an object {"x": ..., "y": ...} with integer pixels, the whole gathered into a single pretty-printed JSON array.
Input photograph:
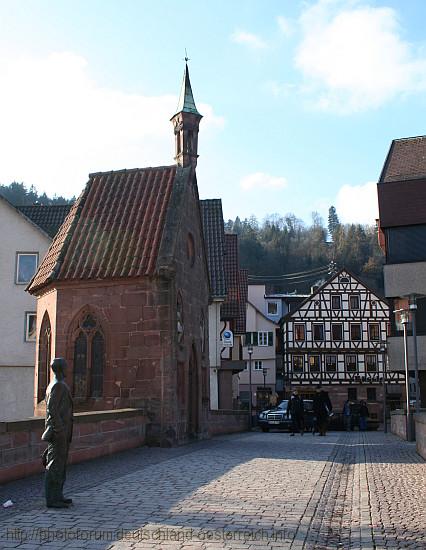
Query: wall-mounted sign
[{"x": 227, "y": 339}]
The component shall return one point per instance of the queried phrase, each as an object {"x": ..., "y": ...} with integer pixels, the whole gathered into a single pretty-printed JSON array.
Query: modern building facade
[{"x": 402, "y": 236}]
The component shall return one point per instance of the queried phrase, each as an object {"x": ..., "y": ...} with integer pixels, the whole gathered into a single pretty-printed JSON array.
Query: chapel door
[{"x": 193, "y": 396}]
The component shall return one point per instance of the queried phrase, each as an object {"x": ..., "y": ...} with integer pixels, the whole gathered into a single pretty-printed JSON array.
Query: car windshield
[{"x": 283, "y": 404}]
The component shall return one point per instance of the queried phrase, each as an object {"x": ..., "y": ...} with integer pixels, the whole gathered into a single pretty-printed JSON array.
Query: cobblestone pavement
[{"x": 246, "y": 491}]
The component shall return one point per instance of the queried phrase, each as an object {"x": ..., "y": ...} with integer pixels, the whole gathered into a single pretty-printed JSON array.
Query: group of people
[
  {"x": 348, "y": 415},
  {"x": 322, "y": 409}
]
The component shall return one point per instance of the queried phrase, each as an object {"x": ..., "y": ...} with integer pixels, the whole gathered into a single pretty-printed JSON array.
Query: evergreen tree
[
  {"x": 333, "y": 222},
  {"x": 18, "y": 194}
]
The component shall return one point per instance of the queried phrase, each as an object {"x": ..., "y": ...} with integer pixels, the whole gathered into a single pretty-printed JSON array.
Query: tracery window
[
  {"x": 180, "y": 326},
  {"x": 203, "y": 333},
  {"x": 89, "y": 359},
  {"x": 44, "y": 352}
]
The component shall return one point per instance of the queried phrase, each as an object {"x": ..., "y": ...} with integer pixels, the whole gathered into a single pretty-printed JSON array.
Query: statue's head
[{"x": 59, "y": 367}]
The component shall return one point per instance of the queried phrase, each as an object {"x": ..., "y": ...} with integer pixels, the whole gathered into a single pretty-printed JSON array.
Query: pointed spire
[
  {"x": 186, "y": 123},
  {"x": 186, "y": 102}
]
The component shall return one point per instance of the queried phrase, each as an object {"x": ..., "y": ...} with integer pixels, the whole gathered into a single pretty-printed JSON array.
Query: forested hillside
[
  {"x": 285, "y": 245},
  {"x": 19, "y": 195},
  {"x": 280, "y": 245}
]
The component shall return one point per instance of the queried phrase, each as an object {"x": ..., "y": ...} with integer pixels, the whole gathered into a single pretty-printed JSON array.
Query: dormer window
[{"x": 272, "y": 308}]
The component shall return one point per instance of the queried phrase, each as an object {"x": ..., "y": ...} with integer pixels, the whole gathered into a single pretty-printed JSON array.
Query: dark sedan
[{"x": 277, "y": 418}]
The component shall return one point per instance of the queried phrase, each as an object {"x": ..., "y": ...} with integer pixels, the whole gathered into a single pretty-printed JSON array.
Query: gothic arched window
[
  {"x": 44, "y": 351},
  {"x": 89, "y": 359},
  {"x": 180, "y": 325}
]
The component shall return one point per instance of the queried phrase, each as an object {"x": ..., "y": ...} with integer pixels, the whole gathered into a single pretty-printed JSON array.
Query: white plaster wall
[
  {"x": 256, "y": 295},
  {"x": 255, "y": 323},
  {"x": 214, "y": 352},
  {"x": 16, "y": 393},
  {"x": 17, "y": 235}
]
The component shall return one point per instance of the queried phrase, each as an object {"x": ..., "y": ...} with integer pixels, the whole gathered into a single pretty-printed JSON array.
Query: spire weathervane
[{"x": 186, "y": 56}]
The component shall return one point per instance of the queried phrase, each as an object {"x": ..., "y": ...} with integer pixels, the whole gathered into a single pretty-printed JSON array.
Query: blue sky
[{"x": 300, "y": 99}]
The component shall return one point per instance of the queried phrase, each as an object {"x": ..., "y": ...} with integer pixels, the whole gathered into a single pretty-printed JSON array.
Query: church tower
[{"x": 185, "y": 123}]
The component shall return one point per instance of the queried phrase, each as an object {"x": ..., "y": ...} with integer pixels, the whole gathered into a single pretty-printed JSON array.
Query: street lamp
[
  {"x": 264, "y": 372},
  {"x": 413, "y": 310},
  {"x": 384, "y": 366},
  {"x": 250, "y": 353},
  {"x": 405, "y": 317}
]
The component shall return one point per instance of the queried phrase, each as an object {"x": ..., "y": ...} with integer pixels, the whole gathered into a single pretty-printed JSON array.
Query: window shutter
[
  {"x": 270, "y": 339},
  {"x": 255, "y": 339},
  {"x": 249, "y": 338}
]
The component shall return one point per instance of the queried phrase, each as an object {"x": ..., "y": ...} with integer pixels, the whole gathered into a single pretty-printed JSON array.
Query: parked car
[{"x": 277, "y": 418}]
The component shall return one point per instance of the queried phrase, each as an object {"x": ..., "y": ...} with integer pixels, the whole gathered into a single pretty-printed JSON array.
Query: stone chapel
[{"x": 123, "y": 291}]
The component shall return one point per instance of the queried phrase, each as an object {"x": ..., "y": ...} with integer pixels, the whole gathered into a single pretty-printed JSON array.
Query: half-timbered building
[{"x": 336, "y": 337}]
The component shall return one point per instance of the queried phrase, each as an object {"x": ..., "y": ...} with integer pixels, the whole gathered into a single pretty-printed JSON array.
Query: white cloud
[
  {"x": 248, "y": 39},
  {"x": 260, "y": 180},
  {"x": 285, "y": 26},
  {"x": 354, "y": 57},
  {"x": 57, "y": 124},
  {"x": 358, "y": 203}
]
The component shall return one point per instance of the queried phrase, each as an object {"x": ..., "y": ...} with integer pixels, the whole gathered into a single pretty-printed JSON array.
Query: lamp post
[
  {"x": 413, "y": 311},
  {"x": 264, "y": 372},
  {"x": 384, "y": 363},
  {"x": 250, "y": 353},
  {"x": 404, "y": 321}
]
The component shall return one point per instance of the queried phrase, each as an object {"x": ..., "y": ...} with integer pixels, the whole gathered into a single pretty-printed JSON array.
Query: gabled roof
[
  {"x": 406, "y": 160},
  {"x": 234, "y": 306},
  {"x": 214, "y": 238},
  {"x": 186, "y": 101},
  {"x": 345, "y": 271},
  {"x": 261, "y": 313},
  {"x": 241, "y": 321},
  {"x": 230, "y": 308},
  {"x": 114, "y": 229},
  {"x": 49, "y": 218},
  {"x": 23, "y": 216}
]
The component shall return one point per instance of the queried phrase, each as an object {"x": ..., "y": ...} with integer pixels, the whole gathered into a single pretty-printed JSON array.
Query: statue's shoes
[
  {"x": 59, "y": 504},
  {"x": 67, "y": 500}
]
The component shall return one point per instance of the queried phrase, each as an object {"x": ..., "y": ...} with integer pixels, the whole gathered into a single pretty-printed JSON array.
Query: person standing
[
  {"x": 58, "y": 434},
  {"x": 322, "y": 409},
  {"x": 273, "y": 399},
  {"x": 296, "y": 410},
  {"x": 347, "y": 415},
  {"x": 363, "y": 415}
]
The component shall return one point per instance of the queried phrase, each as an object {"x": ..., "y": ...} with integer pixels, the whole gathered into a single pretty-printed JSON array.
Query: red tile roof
[
  {"x": 214, "y": 238},
  {"x": 406, "y": 160},
  {"x": 235, "y": 304},
  {"x": 113, "y": 230},
  {"x": 229, "y": 309},
  {"x": 240, "y": 323}
]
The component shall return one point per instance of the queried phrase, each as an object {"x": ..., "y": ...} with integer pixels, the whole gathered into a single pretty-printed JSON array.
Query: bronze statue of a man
[{"x": 58, "y": 434}]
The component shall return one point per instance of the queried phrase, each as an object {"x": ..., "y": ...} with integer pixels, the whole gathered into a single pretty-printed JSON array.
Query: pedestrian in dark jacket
[
  {"x": 363, "y": 415},
  {"x": 322, "y": 409},
  {"x": 347, "y": 415},
  {"x": 296, "y": 410}
]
